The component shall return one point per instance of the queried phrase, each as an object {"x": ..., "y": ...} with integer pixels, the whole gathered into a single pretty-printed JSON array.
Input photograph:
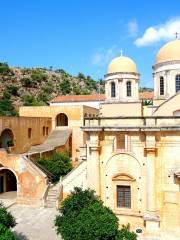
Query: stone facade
[{"x": 29, "y": 181}]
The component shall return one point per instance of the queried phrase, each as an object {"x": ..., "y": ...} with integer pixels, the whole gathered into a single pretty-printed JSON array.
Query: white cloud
[
  {"x": 163, "y": 32},
  {"x": 132, "y": 28},
  {"x": 103, "y": 56}
]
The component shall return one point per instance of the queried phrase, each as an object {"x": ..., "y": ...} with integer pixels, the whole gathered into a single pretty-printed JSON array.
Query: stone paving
[
  {"x": 34, "y": 223},
  {"x": 8, "y": 198}
]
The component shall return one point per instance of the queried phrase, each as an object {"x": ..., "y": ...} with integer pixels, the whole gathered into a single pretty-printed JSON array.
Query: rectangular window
[
  {"x": 123, "y": 196},
  {"x": 161, "y": 86},
  {"x": 128, "y": 86},
  {"x": 44, "y": 131},
  {"x": 29, "y": 132},
  {"x": 47, "y": 130}
]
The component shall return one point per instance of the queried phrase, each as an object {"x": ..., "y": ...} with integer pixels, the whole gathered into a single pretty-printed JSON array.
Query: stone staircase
[{"x": 52, "y": 196}]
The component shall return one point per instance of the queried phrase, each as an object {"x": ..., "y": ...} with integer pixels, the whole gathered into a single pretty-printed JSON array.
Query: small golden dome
[
  {"x": 122, "y": 64},
  {"x": 169, "y": 52}
]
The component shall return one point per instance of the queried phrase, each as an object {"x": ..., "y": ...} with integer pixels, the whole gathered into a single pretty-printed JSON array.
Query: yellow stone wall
[
  {"x": 75, "y": 114},
  {"x": 19, "y": 127},
  {"x": 149, "y": 168}
]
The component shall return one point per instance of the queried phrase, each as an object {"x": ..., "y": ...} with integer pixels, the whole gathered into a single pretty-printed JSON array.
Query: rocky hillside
[{"x": 37, "y": 86}]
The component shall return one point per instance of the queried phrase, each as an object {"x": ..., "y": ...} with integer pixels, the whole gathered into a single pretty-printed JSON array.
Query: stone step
[
  {"x": 51, "y": 198},
  {"x": 53, "y": 190},
  {"x": 52, "y": 194},
  {"x": 50, "y": 205}
]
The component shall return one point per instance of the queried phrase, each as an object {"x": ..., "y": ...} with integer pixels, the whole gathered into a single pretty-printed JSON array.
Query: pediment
[{"x": 123, "y": 177}]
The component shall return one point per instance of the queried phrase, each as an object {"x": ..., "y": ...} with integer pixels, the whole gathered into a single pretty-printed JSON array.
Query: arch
[
  {"x": 7, "y": 138},
  {"x": 161, "y": 86},
  {"x": 176, "y": 113},
  {"x": 129, "y": 89},
  {"x": 178, "y": 83},
  {"x": 61, "y": 120},
  {"x": 8, "y": 180},
  {"x": 123, "y": 177},
  {"x": 113, "y": 89},
  {"x": 123, "y": 153}
]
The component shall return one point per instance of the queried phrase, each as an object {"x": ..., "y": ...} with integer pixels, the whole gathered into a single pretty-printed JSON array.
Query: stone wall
[
  {"x": 20, "y": 127},
  {"x": 31, "y": 181}
]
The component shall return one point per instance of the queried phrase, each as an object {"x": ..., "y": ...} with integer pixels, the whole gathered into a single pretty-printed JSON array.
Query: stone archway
[
  {"x": 6, "y": 138},
  {"x": 8, "y": 183},
  {"x": 61, "y": 120}
]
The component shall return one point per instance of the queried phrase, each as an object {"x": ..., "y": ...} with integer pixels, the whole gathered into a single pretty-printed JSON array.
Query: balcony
[{"x": 153, "y": 123}]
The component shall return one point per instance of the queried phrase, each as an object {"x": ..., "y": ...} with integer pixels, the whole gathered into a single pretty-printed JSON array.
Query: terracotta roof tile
[
  {"x": 95, "y": 97},
  {"x": 78, "y": 98},
  {"x": 146, "y": 95}
]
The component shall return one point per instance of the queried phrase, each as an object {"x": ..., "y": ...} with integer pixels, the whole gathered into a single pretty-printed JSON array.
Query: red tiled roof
[
  {"x": 91, "y": 98},
  {"x": 146, "y": 95},
  {"x": 78, "y": 98}
]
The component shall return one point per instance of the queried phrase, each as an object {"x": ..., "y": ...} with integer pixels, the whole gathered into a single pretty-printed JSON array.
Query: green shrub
[
  {"x": 4, "y": 68},
  {"x": 7, "y": 108},
  {"x": 48, "y": 88},
  {"x": 6, "y": 94},
  {"x": 12, "y": 90},
  {"x": 6, "y": 233},
  {"x": 6, "y": 217},
  {"x": 43, "y": 97},
  {"x": 83, "y": 216},
  {"x": 59, "y": 165},
  {"x": 65, "y": 86},
  {"x": 28, "y": 82},
  {"x": 125, "y": 233},
  {"x": 38, "y": 75},
  {"x": 30, "y": 100}
]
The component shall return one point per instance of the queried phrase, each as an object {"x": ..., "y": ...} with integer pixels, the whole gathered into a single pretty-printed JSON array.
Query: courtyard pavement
[
  {"x": 34, "y": 223},
  {"x": 8, "y": 198}
]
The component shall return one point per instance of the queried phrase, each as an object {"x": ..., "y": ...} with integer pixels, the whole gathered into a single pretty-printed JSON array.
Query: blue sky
[{"x": 84, "y": 35}]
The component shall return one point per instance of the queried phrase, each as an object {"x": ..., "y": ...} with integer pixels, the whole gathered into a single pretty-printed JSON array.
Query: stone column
[
  {"x": 150, "y": 153},
  {"x": 93, "y": 165}
]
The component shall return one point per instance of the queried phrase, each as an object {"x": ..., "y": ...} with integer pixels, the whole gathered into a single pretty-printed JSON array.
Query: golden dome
[
  {"x": 169, "y": 52},
  {"x": 122, "y": 64}
]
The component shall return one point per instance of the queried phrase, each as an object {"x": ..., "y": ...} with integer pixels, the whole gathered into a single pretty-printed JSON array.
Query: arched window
[
  {"x": 61, "y": 120},
  {"x": 8, "y": 182},
  {"x": 161, "y": 86},
  {"x": 177, "y": 83},
  {"x": 113, "y": 89},
  {"x": 6, "y": 139},
  {"x": 128, "y": 87}
]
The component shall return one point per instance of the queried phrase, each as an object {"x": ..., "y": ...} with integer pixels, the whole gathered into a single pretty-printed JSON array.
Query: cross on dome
[{"x": 176, "y": 35}]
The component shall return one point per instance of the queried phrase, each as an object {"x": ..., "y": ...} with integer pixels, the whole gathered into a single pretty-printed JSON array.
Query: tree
[
  {"x": 7, "y": 221},
  {"x": 4, "y": 68},
  {"x": 28, "y": 82},
  {"x": 58, "y": 165},
  {"x": 65, "y": 86},
  {"x": 83, "y": 216},
  {"x": 126, "y": 234},
  {"x": 7, "y": 108},
  {"x": 81, "y": 76},
  {"x": 30, "y": 100}
]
